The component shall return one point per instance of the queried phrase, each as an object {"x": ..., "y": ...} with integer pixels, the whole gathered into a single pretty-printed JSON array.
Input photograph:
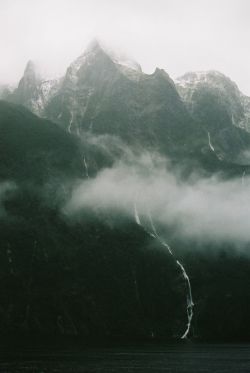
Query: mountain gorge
[{"x": 114, "y": 197}]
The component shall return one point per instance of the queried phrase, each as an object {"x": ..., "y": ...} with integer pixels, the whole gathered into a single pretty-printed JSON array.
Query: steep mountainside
[
  {"x": 33, "y": 148},
  {"x": 94, "y": 276},
  {"x": 102, "y": 272},
  {"x": 33, "y": 92},
  {"x": 216, "y": 103}
]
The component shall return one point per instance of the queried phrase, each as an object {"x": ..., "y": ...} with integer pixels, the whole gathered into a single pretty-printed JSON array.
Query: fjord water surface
[{"x": 184, "y": 358}]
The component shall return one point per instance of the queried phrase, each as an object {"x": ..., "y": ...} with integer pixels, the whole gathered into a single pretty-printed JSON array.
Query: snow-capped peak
[
  {"x": 122, "y": 59},
  {"x": 95, "y": 47},
  {"x": 236, "y": 104},
  {"x": 211, "y": 77}
]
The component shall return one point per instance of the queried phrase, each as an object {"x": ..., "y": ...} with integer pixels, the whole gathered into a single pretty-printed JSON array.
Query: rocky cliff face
[
  {"x": 33, "y": 92},
  {"x": 233, "y": 102},
  {"x": 216, "y": 103}
]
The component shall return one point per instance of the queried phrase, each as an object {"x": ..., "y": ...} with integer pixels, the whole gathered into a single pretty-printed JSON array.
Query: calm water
[{"x": 188, "y": 358}]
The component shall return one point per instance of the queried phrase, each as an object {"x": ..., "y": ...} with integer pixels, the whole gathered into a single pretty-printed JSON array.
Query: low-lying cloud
[{"x": 208, "y": 209}]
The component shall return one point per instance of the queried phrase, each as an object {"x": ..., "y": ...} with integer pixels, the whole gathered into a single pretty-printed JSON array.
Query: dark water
[{"x": 190, "y": 358}]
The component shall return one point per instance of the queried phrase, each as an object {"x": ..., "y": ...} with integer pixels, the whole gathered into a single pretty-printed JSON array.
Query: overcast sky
[{"x": 177, "y": 35}]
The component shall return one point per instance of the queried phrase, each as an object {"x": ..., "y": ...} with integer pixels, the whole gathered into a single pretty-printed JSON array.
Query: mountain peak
[
  {"x": 94, "y": 45},
  {"x": 31, "y": 71},
  {"x": 30, "y": 65},
  {"x": 97, "y": 47},
  {"x": 209, "y": 77}
]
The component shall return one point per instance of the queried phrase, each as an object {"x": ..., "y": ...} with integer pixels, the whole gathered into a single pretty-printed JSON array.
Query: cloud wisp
[{"x": 208, "y": 209}]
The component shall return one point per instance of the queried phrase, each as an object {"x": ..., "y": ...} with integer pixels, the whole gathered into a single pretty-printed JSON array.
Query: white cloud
[{"x": 204, "y": 209}]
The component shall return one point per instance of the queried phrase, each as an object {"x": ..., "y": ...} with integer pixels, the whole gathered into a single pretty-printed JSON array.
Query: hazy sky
[{"x": 177, "y": 35}]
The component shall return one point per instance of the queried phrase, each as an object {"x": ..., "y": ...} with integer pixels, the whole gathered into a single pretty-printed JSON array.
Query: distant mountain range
[{"x": 102, "y": 274}]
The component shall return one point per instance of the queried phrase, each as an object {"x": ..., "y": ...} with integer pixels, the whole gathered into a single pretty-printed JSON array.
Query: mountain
[
  {"x": 26, "y": 93},
  {"x": 33, "y": 92},
  {"x": 102, "y": 94},
  {"x": 192, "y": 84},
  {"x": 102, "y": 273},
  {"x": 105, "y": 93},
  {"x": 100, "y": 276},
  {"x": 94, "y": 277},
  {"x": 217, "y": 104}
]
